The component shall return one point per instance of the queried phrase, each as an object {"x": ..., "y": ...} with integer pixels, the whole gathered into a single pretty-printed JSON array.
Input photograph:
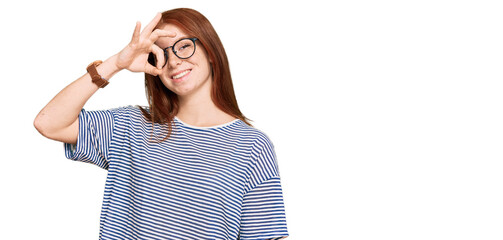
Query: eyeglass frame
[{"x": 165, "y": 50}]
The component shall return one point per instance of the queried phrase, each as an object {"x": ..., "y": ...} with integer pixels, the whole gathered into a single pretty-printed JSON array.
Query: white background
[{"x": 386, "y": 115}]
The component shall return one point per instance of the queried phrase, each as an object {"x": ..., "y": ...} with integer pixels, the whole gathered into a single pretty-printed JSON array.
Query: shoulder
[
  {"x": 263, "y": 164},
  {"x": 263, "y": 140},
  {"x": 260, "y": 140},
  {"x": 124, "y": 114},
  {"x": 128, "y": 111}
]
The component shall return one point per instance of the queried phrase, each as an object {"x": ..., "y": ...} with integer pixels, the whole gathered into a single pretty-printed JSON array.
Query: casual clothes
[{"x": 218, "y": 182}]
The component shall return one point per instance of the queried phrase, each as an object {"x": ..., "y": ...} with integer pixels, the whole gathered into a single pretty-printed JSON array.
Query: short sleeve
[
  {"x": 94, "y": 137},
  {"x": 263, "y": 212}
]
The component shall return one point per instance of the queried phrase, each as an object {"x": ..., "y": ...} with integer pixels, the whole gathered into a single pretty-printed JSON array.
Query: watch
[{"x": 95, "y": 76}]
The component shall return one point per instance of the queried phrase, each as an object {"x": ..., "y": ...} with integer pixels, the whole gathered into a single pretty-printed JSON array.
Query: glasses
[{"x": 183, "y": 49}]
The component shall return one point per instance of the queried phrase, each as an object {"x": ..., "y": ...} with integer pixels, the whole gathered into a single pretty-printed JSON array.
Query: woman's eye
[{"x": 184, "y": 46}]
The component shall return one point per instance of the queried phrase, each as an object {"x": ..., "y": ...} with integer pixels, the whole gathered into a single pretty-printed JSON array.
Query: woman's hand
[{"x": 134, "y": 57}]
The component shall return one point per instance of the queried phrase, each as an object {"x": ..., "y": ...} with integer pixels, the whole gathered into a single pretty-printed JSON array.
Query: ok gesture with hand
[{"x": 134, "y": 56}]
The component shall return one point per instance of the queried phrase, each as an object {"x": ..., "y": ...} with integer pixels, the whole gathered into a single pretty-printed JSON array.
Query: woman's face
[{"x": 184, "y": 76}]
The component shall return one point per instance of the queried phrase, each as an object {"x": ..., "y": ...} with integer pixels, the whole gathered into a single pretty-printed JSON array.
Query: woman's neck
[{"x": 199, "y": 110}]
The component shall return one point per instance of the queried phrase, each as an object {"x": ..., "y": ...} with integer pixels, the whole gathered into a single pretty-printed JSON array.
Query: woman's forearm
[{"x": 58, "y": 120}]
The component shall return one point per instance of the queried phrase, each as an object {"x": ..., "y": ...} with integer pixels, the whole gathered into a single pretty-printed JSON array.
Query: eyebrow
[{"x": 182, "y": 37}]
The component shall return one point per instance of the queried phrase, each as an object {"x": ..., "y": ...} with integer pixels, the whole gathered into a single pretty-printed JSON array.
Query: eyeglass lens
[{"x": 184, "y": 48}]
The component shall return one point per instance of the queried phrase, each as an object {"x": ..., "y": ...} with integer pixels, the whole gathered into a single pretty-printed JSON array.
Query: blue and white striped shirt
[{"x": 218, "y": 182}]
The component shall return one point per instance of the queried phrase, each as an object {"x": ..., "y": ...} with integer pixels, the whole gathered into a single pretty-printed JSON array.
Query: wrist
[
  {"x": 96, "y": 78},
  {"x": 109, "y": 67}
]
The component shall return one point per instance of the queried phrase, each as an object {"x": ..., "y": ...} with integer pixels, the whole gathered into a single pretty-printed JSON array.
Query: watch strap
[{"x": 95, "y": 76}]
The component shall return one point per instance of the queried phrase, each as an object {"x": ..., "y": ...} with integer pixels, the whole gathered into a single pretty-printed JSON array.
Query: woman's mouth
[{"x": 181, "y": 76}]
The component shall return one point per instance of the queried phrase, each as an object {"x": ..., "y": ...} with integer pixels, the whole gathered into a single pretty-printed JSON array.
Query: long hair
[{"x": 163, "y": 103}]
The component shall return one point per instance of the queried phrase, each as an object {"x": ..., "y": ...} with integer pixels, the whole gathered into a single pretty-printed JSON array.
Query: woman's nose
[{"x": 172, "y": 60}]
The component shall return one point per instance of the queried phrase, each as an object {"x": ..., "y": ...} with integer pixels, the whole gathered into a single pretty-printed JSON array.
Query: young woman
[{"x": 188, "y": 166}]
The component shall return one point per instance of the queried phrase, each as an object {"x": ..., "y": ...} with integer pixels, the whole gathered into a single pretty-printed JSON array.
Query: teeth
[{"x": 181, "y": 74}]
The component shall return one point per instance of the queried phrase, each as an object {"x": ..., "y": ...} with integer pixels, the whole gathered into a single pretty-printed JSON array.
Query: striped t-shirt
[{"x": 218, "y": 182}]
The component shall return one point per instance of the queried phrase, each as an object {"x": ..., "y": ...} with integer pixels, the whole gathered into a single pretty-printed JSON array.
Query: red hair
[{"x": 163, "y": 103}]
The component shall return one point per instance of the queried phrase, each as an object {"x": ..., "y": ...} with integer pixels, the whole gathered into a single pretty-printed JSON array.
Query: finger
[
  {"x": 156, "y": 34},
  {"x": 136, "y": 33},
  {"x": 150, "y": 27},
  {"x": 159, "y": 56},
  {"x": 152, "y": 70}
]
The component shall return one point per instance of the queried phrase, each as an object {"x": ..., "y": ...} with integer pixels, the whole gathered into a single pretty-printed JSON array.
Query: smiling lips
[{"x": 180, "y": 74}]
